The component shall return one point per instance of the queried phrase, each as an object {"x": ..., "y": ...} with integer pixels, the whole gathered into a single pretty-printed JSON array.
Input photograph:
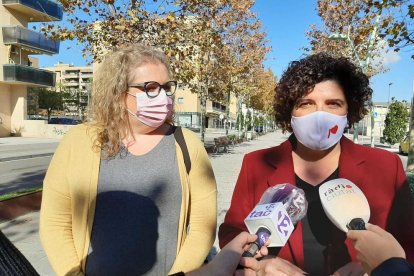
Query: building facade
[
  {"x": 75, "y": 80},
  {"x": 188, "y": 111},
  {"x": 17, "y": 71}
]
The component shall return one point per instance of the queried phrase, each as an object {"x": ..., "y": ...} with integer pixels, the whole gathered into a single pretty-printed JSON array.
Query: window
[{"x": 180, "y": 100}]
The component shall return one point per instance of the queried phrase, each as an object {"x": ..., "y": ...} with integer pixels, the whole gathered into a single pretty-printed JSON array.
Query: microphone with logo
[
  {"x": 274, "y": 217},
  {"x": 344, "y": 204}
]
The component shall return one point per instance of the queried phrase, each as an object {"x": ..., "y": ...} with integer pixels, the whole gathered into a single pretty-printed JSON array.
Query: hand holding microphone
[
  {"x": 347, "y": 208},
  {"x": 274, "y": 217}
]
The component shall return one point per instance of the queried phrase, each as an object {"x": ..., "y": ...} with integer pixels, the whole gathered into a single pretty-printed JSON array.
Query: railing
[
  {"x": 44, "y": 6},
  {"x": 22, "y": 36},
  {"x": 16, "y": 73}
]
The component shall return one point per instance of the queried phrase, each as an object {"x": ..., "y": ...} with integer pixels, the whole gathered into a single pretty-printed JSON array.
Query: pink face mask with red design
[
  {"x": 152, "y": 112},
  {"x": 319, "y": 130}
]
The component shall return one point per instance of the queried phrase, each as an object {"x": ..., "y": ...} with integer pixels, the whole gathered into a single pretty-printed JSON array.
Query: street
[{"x": 23, "y": 162}]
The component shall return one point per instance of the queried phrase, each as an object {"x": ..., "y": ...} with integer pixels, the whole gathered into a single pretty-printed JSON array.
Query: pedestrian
[
  {"x": 379, "y": 252},
  {"x": 127, "y": 193},
  {"x": 316, "y": 98}
]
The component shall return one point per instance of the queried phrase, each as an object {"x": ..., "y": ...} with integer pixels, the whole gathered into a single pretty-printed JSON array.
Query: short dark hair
[{"x": 301, "y": 77}]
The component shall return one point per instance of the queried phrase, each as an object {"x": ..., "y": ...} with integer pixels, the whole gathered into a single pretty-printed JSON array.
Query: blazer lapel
[
  {"x": 282, "y": 163},
  {"x": 351, "y": 162}
]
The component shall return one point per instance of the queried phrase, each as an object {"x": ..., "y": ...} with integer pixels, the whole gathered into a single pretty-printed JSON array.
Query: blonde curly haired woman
[{"x": 117, "y": 198}]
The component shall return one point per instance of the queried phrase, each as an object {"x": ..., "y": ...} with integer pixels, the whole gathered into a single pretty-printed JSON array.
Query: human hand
[
  {"x": 226, "y": 261},
  {"x": 268, "y": 266},
  {"x": 350, "y": 269},
  {"x": 370, "y": 245}
]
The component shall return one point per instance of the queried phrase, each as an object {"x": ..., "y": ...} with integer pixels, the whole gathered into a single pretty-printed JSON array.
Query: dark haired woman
[{"x": 316, "y": 98}]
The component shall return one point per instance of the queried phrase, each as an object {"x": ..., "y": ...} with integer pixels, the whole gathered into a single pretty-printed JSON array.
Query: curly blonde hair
[{"x": 108, "y": 110}]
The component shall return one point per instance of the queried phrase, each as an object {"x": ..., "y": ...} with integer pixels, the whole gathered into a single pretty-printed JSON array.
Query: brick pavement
[{"x": 227, "y": 167}]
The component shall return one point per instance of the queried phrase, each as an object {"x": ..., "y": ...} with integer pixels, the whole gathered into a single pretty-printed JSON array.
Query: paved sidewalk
[{"x": 23, "y": 231}]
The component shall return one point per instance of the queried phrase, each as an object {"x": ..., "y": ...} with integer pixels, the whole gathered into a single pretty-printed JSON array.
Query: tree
[
  {"x": 357, "y": 24},
  {"x": 197, "y": 35},
  {"x": 248, "y": 120},
  {"x": 400, "y": 31},
  {"x": 262, "y": 96},
  {"x": 396, "y": 122},
  {"x": 49, "y": 100}
]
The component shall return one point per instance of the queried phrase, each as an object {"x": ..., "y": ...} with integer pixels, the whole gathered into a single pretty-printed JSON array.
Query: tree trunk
[
  {"x": 227, "y": 113},
  {"x": 410, "y": 160}
]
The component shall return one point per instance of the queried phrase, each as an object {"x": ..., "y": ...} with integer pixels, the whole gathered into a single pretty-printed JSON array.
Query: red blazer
[{"x": 378, "y": 173}]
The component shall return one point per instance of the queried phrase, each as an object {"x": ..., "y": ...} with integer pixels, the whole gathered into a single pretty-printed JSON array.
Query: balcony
[
  {"x": 21, "y": 74},
  {"x": 16, "y": 35},
  {"x": 36, "y": 10}
]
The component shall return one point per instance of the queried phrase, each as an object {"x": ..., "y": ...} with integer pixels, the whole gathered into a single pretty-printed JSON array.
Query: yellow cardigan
[{"x": 68, "y": 204}]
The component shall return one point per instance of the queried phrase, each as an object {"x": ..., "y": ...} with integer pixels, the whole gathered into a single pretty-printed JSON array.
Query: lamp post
[{"x": 389, "y": 89}]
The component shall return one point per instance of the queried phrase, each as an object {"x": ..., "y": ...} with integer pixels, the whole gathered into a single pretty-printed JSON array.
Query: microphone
[
  {"x": 274, "y": 216},
  {"x": 344, "y": 204}
]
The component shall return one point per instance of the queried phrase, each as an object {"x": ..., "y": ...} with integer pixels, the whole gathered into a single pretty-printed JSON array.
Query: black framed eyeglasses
[{"x": 153, "y": 88}]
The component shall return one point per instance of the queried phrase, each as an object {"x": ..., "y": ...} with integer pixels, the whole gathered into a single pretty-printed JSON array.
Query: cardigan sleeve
[
  {"x": 56, "y": 214},
  {"x": 202, "y": 220},
  {"x": 241, "y": 206},
  {"x": 401, "y": 218}
]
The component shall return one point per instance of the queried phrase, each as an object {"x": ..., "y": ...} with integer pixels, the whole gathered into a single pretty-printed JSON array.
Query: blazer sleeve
[
  {"x": 202, "y": 221},
  {"x": 401, "y": 218},
  {"x": 56, "y": 214},
  {"x": 241, "y": 205}
]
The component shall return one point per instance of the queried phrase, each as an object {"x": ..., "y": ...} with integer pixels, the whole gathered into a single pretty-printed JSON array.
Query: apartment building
[
  {"x": 69, "y": 76},
  {"x": 76, "y": 79},
  {"x": 17, "y": 43},
  {"x": 188, "y": 111}
]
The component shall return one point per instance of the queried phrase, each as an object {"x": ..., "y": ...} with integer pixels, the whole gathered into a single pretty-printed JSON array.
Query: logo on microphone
[
  {"x": 338, "y": 190},
  {"x": 263, "y": 213},
  {"x": 283, "y": 223},
  {"x": 263, "y": 237}
]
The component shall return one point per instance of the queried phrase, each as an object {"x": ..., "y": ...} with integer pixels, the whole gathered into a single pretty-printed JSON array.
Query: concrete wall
[
  {"x": 41, "y": 129},
  {"x": 189, "y": 101},
  {"x": 5, "y": 111},
  {"x": 18, "y": 106}
]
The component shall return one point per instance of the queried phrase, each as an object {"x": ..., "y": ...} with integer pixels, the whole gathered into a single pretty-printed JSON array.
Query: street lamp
[{"x": 389, "y": 89}]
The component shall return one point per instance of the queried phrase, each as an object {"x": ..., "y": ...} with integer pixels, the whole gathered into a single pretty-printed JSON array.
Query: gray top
[{"x": 137, "y": 213}]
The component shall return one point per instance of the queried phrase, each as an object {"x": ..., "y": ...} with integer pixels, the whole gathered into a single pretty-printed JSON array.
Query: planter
[{"x": 17, "y": 206}]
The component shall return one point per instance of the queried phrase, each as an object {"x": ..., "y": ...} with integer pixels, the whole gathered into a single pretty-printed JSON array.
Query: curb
[{"x": 13, "y": 158}]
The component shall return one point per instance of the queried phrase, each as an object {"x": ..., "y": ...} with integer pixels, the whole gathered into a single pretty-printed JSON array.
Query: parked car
[
  {"x": 404, "y": 145},
  {"x": 36, "y": 117},
  {"x": 63, "y": 121}
]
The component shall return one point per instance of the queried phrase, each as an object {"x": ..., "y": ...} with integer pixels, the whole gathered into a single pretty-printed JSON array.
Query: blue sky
[{"x": 286, "y": 23}]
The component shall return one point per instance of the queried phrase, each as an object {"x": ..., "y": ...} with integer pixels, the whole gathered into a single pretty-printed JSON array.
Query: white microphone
[
  {"x": 274, "y": 217},
  {"x": 344, "y": 204}
]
